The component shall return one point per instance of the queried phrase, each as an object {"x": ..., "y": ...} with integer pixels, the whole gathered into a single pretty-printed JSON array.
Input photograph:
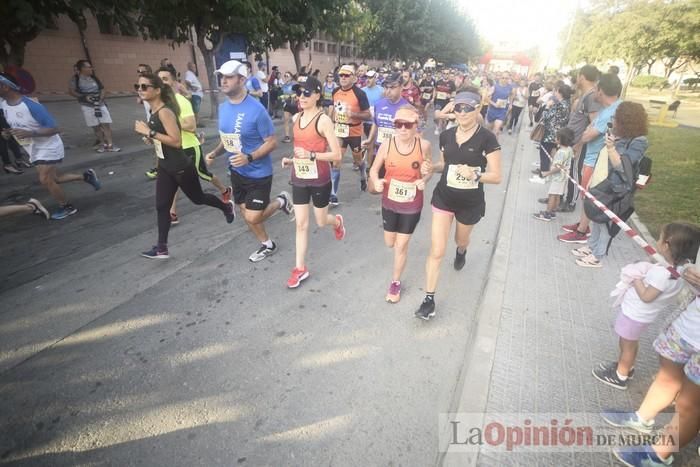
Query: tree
[
  {"x": 211, "y": 21},
  {"x": 21, "y": 21}
]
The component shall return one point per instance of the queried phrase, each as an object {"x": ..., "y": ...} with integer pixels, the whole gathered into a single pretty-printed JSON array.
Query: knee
[
  {"x": 303, "y": 225},
  {"x": 437, "y": 252},
  {"x": 253, "y": 217},
  {"x": 45, "y": 178}
]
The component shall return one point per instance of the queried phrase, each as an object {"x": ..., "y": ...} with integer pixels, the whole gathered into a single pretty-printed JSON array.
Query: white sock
[
  {"x": 646, "y": 422},
  {"x": 620, "y": 377},
  {"x": 267, "y": 243}
]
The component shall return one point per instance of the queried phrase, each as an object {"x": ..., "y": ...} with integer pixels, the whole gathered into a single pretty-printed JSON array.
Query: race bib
[
  {"x": 455, "y": 180},
  {"x": 535, "y": 94},
  {"x": 385, "y": 134},
  {"x": 401, "y": 192},
  {"x": 501, "y": 103},
  {"x": 342, "y": 130},
  {"x": 305, "y": 169},
  {"x": 442, "y": 96},
  {"x": 231, "y": 142},
  {"x": 158, "y": 146},
  {"x": 24, "y": 141},
  {"x": 426, "y": 96},
  {"x": 341, "y": 117}
]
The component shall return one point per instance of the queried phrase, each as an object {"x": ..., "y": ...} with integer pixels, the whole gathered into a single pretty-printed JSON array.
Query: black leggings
[
  {"x": 7, "y": 145},
  {"x": 514, "y": 116},
  {"x": 167, "y": 184},
  {"x": 545, "y": 162}
]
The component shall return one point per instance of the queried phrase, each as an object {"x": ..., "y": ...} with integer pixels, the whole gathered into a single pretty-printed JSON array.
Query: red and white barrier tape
[{"x": 633, "y": 234}]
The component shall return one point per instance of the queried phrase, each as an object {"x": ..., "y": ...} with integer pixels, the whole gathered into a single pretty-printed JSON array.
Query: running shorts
[
  {"x": 399, "y": 223},
  {"x": 467, "y": 215},
  {"x": 195, "y": 154},
  {"x": 253, "y": 192},
  {"x": 355, "y": 142},
  {"x": 320, "y": 195}
]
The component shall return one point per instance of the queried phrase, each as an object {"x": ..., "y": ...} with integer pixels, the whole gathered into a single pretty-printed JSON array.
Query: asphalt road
[{"x": 107, "y": 358}]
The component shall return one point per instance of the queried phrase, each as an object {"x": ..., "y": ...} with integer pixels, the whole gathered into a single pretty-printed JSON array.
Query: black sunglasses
[
  {"x": 305, "y": 92},
  {"x": 345, "y": 75},
  {"x": 404, "y": 124},
  {"x": 143, "y": 87},
  {"x": 466, "y": 108},
  {"x": 141, "y": 72}
]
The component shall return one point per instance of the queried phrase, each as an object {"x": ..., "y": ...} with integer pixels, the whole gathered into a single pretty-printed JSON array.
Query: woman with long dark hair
[{"x": 175, "y": 169}]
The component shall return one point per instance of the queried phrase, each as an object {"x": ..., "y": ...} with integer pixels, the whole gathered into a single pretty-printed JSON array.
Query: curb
[
  {"x": 479, "y": 356},
  {"x": 642, "y": 229}
]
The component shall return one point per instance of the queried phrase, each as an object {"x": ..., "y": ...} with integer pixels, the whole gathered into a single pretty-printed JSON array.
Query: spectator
[
  {"x": 614, "y": 70},
  {"x": 252, "y": 84},
  {"x": 195, "y": 87},
  {"x": 290, "y": 103},
  {"x": 628, "y": 138},
  {"x": 90, "y": 92},
  {"x": 165, "y": 63},
  {"x": 556, "y": 175},
  {"x": 554, "y": 117},
  {"x": 264, "y": 87}
]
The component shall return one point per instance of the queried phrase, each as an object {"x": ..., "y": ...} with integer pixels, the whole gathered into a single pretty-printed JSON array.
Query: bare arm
[
  {"x": 493, "y": 168},
  {"x": 646, "y": 293},
  {"x": 327, "y": 130}
]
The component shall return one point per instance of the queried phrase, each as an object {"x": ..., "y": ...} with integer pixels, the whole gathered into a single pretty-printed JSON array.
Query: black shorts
[
  {"x": 292, "y": 109},
  {"x": 355, "y": 142},
  {"x": 424, "y": 102},
  {"x": 320, "y": 195},
  {"x": 467, "y": 215},
  {"x": 399, "y": 223},
  {"x": 253, "y": 192},
  {"x": 532, "y": 101},
  {"x": 367, "y": 128},
  {"x": 195, "y": 154}
]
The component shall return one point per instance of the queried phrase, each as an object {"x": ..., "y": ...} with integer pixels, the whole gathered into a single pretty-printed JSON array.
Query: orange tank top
[
  {"x": 304, "y": 171},
  {"x": 402, "y": 171}
]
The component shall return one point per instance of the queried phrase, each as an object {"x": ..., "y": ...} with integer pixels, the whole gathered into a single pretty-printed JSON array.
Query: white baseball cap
[{"x": 233, "y": 67}]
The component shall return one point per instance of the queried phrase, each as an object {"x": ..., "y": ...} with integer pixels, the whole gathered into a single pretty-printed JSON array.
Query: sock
[
  {"x": 620, "y": 377},
  {"x": 282, "y": 201},
  {"x": 460, "y": 253},
  {"x": 162, "y": 246},
  {"x": 646, "y": 422},
  {"x": 268, "y": 243},
  {"x": 335, "y": 181},
  {"x": 363, "y": 171}
]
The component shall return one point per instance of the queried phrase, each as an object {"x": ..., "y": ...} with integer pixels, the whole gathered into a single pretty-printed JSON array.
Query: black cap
[
  {"x": 308, "y": 82},
  {"x": 395, "y": 77}
]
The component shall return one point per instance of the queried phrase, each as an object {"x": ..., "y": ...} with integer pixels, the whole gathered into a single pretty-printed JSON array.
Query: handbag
[
  {"x": 537, "y": 133},
  {"x": 619, "y": 198}
]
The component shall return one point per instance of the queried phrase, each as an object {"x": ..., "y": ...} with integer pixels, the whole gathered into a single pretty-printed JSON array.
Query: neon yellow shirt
[{"x": 189, "y": 139}]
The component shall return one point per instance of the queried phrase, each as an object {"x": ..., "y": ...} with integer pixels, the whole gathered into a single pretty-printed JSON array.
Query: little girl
[
  {"x": 651, "y": 288},
  {"x": 561, "y": 162}
]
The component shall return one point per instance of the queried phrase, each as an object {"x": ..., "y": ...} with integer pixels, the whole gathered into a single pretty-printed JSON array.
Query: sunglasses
[
  {"x": 345, "y": 75},
  {"x": 404, "y": 124},
  {"x": 391, "y": 86},
  {"x": 464, "y": 108},
  {"x": 304, "y": 92},
  {"x": 143, "y": 87},
  {"x": 141, "y": 71}
]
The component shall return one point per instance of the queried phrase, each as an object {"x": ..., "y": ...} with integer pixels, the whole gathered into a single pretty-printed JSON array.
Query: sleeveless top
[
  {"x": 169, "y": 158},
  {"x": 306, "y": 172},
  {"x": 402, "y": 170}
]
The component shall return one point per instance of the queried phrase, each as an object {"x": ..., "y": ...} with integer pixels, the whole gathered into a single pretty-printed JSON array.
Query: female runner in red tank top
[
  {"x": 315, "y": 147},
  {"x": 402, "y": 188}
]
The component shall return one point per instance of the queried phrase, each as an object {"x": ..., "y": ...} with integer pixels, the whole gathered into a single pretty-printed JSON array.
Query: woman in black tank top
[{"x": 175, "y": 169}]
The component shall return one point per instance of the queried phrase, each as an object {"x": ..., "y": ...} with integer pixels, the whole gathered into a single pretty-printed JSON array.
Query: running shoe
[
  {"x": 537, "y": 179},
  {"x": 573, "y": 237},
  {"x": 340, "y": 229},
  {"x": 570, "y": 227},
  {"x": 608, "y": 375},
  {"x": 39, "y": 208},
  {"x": 173, "y": 219},
  {"x": 155, "y": 253},
  {"x": 297, "y": 276},
  {"x": 11, "y": 169},
  {"x": 581, "y": 252},
  {"x": 631, "y": 420},
  {"x": 589, "y": 261},
  {"x": 102, "y": 149},
  {"x": 543, "y": 200},
  {"x": 363, "y": 184},
  {"x": 152, "y": 174},
  {"x": 604, "y": 365},
  {"x": 286, "y": 139},
  {"x": 89, "y": 176},
  {"x": 287, "y": 205},
  {"x": 426, "y": 310},
  {"x": 334, "y": 201},
  {"x": 63, "y": 212},
  {"x": 262, "y": 253},
  {"x": 112, "y": 148},
  {"x": 226, "y": 195},
  {"x": 24, "y": 163},
  {"x": 631, "y": 456},
  {"x": 394, "y": 293},
  {"x": 544, "y": 216},
  {"x": 536, "y": 171},
  {"x": 230, "y": 212},
  {"x": 460, "y": 259}
]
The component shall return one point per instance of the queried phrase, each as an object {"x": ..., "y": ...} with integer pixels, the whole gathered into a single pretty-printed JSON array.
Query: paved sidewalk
[{"x": 556, "y": 324}]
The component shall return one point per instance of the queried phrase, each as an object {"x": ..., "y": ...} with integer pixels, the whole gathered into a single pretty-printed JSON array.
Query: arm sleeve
[{"x": 40, "y": 114}]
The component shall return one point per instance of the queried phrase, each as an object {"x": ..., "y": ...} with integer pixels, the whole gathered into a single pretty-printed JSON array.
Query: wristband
[
  {"x": 477, "y": 177},
  {"x": 152, "y": 134}
]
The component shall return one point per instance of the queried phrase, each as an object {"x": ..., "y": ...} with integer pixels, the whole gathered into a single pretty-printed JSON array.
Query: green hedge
[{"x": 648, "y": 81}]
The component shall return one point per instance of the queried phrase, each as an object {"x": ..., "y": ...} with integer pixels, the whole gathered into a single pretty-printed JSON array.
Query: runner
[
  {"x": 469, "y": 157},
  {"x": 536, "y": 89},
  {"x": 141, "y": 70},
  {"x": 427, "y": 94},
  {"x": 248, "y": 139},
  {"x": 36, "y": 131},
  {"x": 384, "y": 112},
  {"x": 402, "y": 185},
  {"x": 290, "y": 103},
  {"x": 32, "y": 206},
  {"x": 498, "y": 105},
  {"x": 175, "y": 169},
  {"x": 328, "y": 88},
  {"x": 350, "y": 109},
  {"x": 409, "y": 90},
  {"x": 519, "y": 103},
  {"x": 190, "y": 143},
  {"x": 315, "y": 147},
  {"x": 444, "y": 89},
  {"x": 374, "y": 93}
]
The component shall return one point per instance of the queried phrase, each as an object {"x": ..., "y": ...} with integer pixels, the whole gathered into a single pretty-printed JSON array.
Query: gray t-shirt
[
  {"x": 579, "y": 119},
  {"x": 86, "y": 86}
]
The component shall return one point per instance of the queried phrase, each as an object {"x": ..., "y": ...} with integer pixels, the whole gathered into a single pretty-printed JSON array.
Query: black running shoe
[
  {"x": 230, "y": 212},
  {"x": 426, "y": 310},
  {"x": 363, "y": 185},
  {"x": 460, "y": 260}
]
